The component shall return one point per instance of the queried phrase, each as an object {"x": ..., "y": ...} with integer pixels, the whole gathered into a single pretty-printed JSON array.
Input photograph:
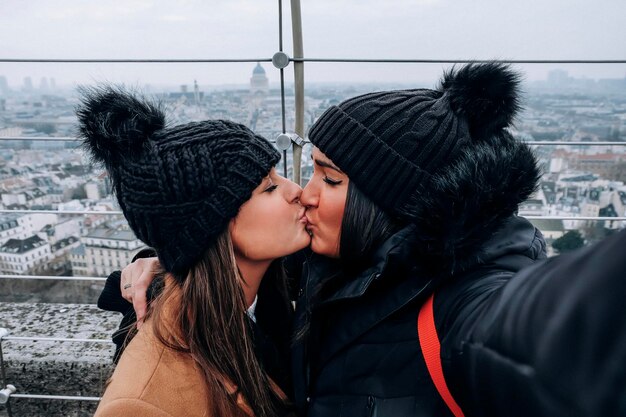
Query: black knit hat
[
  {"x": 178, "y": 186},
  {"x": 390, "y": 143}
]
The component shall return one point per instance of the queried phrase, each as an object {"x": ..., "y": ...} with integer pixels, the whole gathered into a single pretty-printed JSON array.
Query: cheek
[
  {"x": 252, "y": 228},
  {"x": 268, "y": 230},
  {"x": 330, "y": 211}
]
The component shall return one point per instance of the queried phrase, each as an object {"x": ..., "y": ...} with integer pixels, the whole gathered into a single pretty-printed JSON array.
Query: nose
[
  {"x": 309, "y": 195},
  {"x": 292, "y": 191}
]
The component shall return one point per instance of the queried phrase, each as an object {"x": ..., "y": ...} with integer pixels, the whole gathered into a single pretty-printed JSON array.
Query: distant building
[
  {"x": 4, "y": 85},
  {"x": 548, "y": 189},
  {"x": 556, "y": 165},
  {"x": 92, "y": 221},
  {"x": 28, "y": 84},
  {"x": 64, "y": 245},
  {"x": 103, "y": 186},
  {"x": 610, "y": 211},
  {"x": 613, "y": 204},
  {"x": 572, "y": 192},
  {"x": 559, "y": 78},
  {"x": 92, "y": 190},
  {"x": 24, "y": 256},
  {"x": 590, "y": 208},
  {"x": 594, "y": 194},
  {"x": 606, "y": 165},
  {"x": 11, "y": 131},
  {"x": 532, "y": 207},
  {"x": 43, "y": 84},
  {"x": 61, "y": 254},
  {"x": 259, "y": 82},
  {"x": 64, "y": 228},
  {"x": 27, "y": 197},
  {"x": 187, "y": 97},
  {"x": 108, "y": 249},
  {"x": 78, "y": 261},
  {"x": 15, "y": 226}
]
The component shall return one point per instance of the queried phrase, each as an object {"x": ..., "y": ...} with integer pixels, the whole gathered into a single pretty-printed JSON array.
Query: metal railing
[
  {"x": 52, "y": 277},
  {"x": 280, "y": 60},
  {"x": 306, "y": 59},
  {"x": 8, "y": 391},
  {"x": 70, "y": 212}
]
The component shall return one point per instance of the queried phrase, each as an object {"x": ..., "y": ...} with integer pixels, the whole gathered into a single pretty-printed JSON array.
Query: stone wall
[{"x": 56, "y": 368}]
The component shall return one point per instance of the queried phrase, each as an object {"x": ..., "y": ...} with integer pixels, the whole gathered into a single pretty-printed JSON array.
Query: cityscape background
[{"x": 579, "y": 180}]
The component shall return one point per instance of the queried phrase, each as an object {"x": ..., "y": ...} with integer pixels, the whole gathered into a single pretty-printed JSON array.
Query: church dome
[{"x": 258, "y": 70}]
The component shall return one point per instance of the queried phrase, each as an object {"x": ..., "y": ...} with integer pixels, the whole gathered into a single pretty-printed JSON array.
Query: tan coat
[{"x": 151, "y": 380}]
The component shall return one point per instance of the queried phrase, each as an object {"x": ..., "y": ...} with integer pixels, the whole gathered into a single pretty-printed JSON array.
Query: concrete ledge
[{"x": 56, "y": 368}]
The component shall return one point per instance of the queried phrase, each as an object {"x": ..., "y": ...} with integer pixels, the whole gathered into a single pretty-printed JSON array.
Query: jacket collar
[{"x": 392, "y": 257}]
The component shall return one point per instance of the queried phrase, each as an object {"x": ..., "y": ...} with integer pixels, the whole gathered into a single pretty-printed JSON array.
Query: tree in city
[
  {"x": 79, "y": 193},
  {"x": 569, "y": 241}
]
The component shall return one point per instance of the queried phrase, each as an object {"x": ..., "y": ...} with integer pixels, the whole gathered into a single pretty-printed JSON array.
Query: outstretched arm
[{"x": 551, "y": 341}]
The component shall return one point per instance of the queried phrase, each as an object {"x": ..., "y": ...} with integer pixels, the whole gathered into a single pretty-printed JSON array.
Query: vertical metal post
[
  {"x": 282, "y": 100},
  {"x": 298, "y": 72},
  {"x": 3, "y": 376},
  {"x": 282, "y": 81}
]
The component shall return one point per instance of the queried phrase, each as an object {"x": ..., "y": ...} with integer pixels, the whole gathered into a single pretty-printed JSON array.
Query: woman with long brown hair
[{"x": 206, "y": 197}]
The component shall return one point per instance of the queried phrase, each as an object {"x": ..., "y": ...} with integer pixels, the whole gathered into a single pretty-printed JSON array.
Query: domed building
[{"x": 259, "y": 81}]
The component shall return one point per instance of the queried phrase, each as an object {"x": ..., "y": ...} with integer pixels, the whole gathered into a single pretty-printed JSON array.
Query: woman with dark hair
[
  {"x": 415, "y": 192},
  {"x": 426, "y": 295},
  {"x": 206, "y": 197}
]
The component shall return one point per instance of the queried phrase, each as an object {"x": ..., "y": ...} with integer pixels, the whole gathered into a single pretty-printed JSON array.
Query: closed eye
[{"x": 331, "y": 181}]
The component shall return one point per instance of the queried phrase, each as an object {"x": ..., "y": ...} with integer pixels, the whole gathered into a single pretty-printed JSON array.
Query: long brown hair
[{"x": 211, "y": 324}]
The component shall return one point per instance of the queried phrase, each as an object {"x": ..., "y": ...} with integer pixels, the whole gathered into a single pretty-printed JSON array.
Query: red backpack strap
[{"x": 431, "y": 349}]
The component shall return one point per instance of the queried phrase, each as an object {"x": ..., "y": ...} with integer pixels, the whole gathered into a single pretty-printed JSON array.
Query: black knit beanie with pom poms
[
  {"x": 178, "y": 186},
  {"x": 390, "y": 143}
]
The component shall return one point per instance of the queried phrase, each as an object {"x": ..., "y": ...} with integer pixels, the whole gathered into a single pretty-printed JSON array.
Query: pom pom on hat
[
  {"x": 485, "y": 94},
  {"x": 114, "y": 124}
]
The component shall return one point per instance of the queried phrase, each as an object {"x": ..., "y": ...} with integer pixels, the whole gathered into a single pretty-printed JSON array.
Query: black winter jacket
[{"x": 547, "y": 341}]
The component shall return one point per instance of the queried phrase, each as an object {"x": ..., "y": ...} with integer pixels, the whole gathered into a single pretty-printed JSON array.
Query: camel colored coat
[{"x": 151, "y": 380}]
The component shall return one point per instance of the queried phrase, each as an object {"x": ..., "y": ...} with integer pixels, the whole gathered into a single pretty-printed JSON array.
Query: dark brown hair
[{"x": 209, "y": 319}]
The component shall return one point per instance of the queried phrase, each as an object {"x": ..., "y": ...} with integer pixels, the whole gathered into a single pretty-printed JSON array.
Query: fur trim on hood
[{"x": 467, "y": 201}]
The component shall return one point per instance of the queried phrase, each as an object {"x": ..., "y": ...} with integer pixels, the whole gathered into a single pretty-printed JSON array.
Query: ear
[{"x": 231, "y": 226}]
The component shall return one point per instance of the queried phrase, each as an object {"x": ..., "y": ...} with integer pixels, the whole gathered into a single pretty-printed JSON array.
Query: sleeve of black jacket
[
  {"x": 551, "y": 341},
  {"x": 111, "y": 300}
]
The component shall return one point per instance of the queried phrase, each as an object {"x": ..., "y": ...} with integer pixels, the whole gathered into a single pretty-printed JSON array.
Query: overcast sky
[{"x": 430, "y": 29}]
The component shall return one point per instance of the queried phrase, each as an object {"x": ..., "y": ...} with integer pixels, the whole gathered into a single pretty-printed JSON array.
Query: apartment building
[
  {"x": 24, "y": 256},
  {"x": 107, "y": 249}
]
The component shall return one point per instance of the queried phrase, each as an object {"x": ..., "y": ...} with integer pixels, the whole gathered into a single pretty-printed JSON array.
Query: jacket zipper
[{"x": 371, "y": 406}]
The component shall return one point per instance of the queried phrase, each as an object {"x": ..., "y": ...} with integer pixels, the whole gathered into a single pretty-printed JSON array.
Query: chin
[
  {"x": 298, "y": 243},
  {"x": 304, "y": 242},
  {"x": 323, "y": 249}
]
